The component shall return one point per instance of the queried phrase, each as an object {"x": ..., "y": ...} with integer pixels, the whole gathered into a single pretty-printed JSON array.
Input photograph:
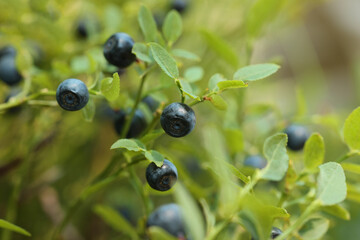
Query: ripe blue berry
[
  {"x": 255, "y": 161},
  {"x": 275, "y": 232},
  {"x": 8, "y": 71},
  {"x": 72, "y": 94},
  {"x": 137, "y": 126},
  {"x": 297, "y": 136},
  {"x": 179, "y": 5},
  {"x": 178, "y": 119},
  {"x": 118, "y": 50},
  {"x": 151, "y": 103},
  {"x": 161, "y": 178},
  {"x": 169, "y": 218},
  {"x": 81, "y": 29}
]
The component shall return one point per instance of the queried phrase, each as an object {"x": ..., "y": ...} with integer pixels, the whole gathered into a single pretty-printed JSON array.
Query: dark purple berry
[
  {"x": 161, "y": 178},
  {"x": 178, "y": 119},
  {"x": 72, "y": 94},
  {"x": 297, "y": 136},
  {"x": 118, "y": 50},
  {"x": 169, "y": 217}
]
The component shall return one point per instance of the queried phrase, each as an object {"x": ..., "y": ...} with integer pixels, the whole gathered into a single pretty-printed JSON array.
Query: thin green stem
[
  {"x": 348, "y": 155},
  {"x": 178, "y": 84},
  {"x": 23, "y": 100},
  {"x": 137, "y": 101},
  {"x": 300, "y": 221}
]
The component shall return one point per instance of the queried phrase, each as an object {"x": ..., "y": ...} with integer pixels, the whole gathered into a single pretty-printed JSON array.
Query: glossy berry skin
[
  {"x": 8, "y": 71},
  {"x": 151, "y": 103},
  {"x": 178, "y": 119},
  {"x": 117, "y": 50},
  {"x": 179, "y": 5},
  {"x": 72, "y": 94},
  {"x": 161, "y": 178},
  {"x": 255, "y": 161},
  {"x": 169, "y": 218},
  {"x": 297, "y": 136},
  {"x": 275, "y": 232},
  {"x": 137, "y": 126}
]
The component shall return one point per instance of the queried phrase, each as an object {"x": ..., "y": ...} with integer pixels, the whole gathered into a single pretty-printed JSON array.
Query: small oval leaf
[
  {"x": 314, "y": 151},
  {"x": 172, "y": 27},
  {"x": 256, "y": 72},
  {"x": 278, "y": 160},
  {"x": 166, "y": 62},
  {"x": 331, "y": 184},
  {"x": 129, "y": 144},
  {"x": 155, "y": 156},
  {"x": 352, "y": 130}
]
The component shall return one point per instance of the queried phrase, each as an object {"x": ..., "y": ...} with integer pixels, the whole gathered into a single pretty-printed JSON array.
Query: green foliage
[
  {"x": 172, "y": 27},
  {"x": 352, "y": 130},
  {"x": 164, "y": 60},
  {"x": 314, "y": 151},
  {"x": 65, "y": 162},
  {"x": 256, "y": 72},
  {"x": 7, "y": 225},
  {"x": 331, "y": 185},
  {"x": 110, "y": 87},
  {"x": 278, "y": 160}
]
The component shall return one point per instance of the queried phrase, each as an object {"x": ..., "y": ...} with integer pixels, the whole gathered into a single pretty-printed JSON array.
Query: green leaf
[
  {"x": 278, "y": 160},
  {"x": 337, "y": 211},
  {"x": 110, "y": 87},
  {"x": 218, "y": 102},
  {"x": 314, "y": 228},
  {"x": 192, "y": 214},
  {"x": 214, "y": 80},
  {"x": 314, "y": 151},
  {"x": 194, "y": 74},
  {"x": 172, "y": 27},
  {"x": 129, "y": 144},
  {"x": 278, "y": 212},
  {"x": 352, "y": 130},
  {"x": 220, "y": 47},
  {"x": 147, "y": 24},
  {"x": 187, "y": 90},
  {"x": 351, "y": 167},
  {"x": 157, "y": 233},
  {"x": 164, "y": 60},
  {"x": 116, "y": 220},
  {"x": 238, "y": 174},
  {"x": 142, "y": 52},
  {"x": 256, "y": 72},
  {"x": 181, "y": 53},
  {"x": 155, "y": 156},
  {"x": 331, "y": 184},
  {"x": 89, "y": 110},
  {"x": 228, "y": 84},
  {"x": 12, "y": 227}
]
